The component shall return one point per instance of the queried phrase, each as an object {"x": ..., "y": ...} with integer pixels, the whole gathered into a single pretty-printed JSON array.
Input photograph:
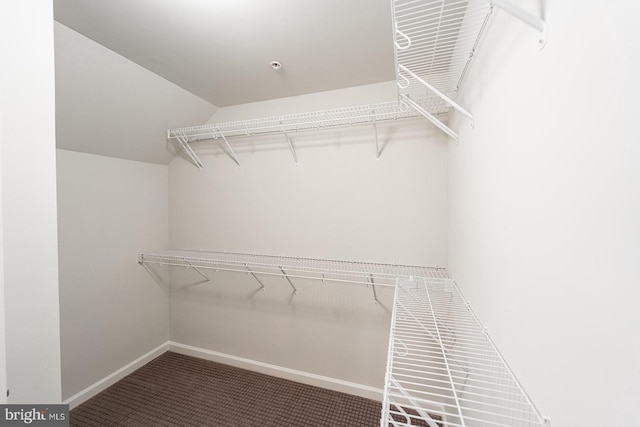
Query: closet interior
[
  {"x": 429, "y": 206},
  {"x": 441, "y": 361}
]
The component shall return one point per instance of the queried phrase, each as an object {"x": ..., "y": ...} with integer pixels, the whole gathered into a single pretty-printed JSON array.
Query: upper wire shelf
[
  {"x": 370, "y": 114},
  {"x": 324, "y": 119},
  {"x": 435, "y": 41},
  {"x": 362, "y": 114}
]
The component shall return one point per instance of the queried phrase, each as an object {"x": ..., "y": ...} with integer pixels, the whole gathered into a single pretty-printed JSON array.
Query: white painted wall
[
  {"x": 317, "y": 101},
  {"x": 112, "y": 310},
  {"x": 340, "y": 202},
  {"x": 545, "y": 205},
  {"x": 3, "y": 342},
  {"x": 28, "y": 167}
]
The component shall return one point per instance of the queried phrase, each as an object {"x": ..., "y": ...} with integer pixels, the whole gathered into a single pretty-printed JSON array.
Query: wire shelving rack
[
  {"x": 443, "y": 370},
  {"x": 370, "y": 274},
  {"x": 434, "y": 44},
  {"x": 348, "y": 116},
  {"x": 435, "y": 41},
  {"x": 369, "y": 114}
]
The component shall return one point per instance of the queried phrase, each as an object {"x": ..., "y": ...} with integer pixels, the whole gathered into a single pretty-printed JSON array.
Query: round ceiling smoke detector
[{"x": 276, "y": 65}]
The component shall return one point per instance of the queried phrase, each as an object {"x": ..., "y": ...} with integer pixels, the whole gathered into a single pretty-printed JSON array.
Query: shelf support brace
[
  {"x": 444, "y": 97},
  {"x": 231, "y": 152},
  {"x": 255, "y": 277},
  {"x": 526, "y": 17},
  {"x": 198, "y": 270},
  {"x": 373, "y": 287},
  {"x": 375, "y": 131},
  {"x": 183, "y": 140},
  {"x": 446, "y": 129},
  {"x": 293, "y": 150},
  {"x": 295, "y": 291}
]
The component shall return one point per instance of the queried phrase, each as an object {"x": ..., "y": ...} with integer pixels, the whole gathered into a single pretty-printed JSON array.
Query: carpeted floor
[{"x": 177, "y": 390}]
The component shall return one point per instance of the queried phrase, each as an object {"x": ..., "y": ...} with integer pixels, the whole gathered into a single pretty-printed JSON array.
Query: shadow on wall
[
  {"x": 160, "y": 276},
  {"x": 312, "y": 299}
]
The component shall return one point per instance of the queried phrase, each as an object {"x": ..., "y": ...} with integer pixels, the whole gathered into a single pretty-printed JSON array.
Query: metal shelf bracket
[
  {"x": 250, "y": 272},
  {"x": 526, "y": 17},
  {"x": 375, "y": 131},
  {"x": 295, "y": 291},
  {"x": 293, "y": 150},
  {"x": 231, "y": 152},
  {"x": 373, "y": 287},
  {"x": 183, "y": 140},
  {"x": 446, "y": 129},
  {"x": 432, "y": 88},
  {"x": 198, "y": 270}
]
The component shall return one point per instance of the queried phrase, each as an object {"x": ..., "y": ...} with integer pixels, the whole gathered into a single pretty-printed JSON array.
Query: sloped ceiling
[
  {"x": 110, "y": 106},
  {"x": 221, "y": 50}
]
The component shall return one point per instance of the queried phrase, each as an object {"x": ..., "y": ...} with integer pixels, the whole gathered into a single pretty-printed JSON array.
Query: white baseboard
[
  {"x": 228, "y": 359},
  {"x": 113, "y": 378},
  {"x": 279, "y": 371}
]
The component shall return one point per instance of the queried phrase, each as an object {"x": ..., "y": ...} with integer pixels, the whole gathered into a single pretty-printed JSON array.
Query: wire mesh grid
[
  {"x": 435, "y": 41},
  {"x": 348, "y": 116},
  {"x": 443, "y": 369},
  {"x": 307, "y": 268}
]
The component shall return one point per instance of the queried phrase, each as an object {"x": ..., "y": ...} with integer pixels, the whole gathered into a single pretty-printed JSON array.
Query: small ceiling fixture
[{"x": 276, "y": 65}]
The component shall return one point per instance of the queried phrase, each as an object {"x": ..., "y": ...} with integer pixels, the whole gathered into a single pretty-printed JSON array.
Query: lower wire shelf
[
  {"x": 358, "y": 272},
  {"x": 443, "y": 370}
]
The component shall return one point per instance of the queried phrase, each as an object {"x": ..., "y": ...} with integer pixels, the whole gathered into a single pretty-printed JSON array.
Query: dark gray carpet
[{"x": 177, "y": 390}]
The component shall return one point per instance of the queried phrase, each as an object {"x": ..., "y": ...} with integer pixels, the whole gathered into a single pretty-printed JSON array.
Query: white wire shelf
[
  {"x": 443, "y": 370},
  {"x": 442, "y": 36},
  {"x": 292, "y": 267},
  {"x": 348, "y": 116},
  {"x": 435, "y": 41},
  {"x": 370, "y": 114}
]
